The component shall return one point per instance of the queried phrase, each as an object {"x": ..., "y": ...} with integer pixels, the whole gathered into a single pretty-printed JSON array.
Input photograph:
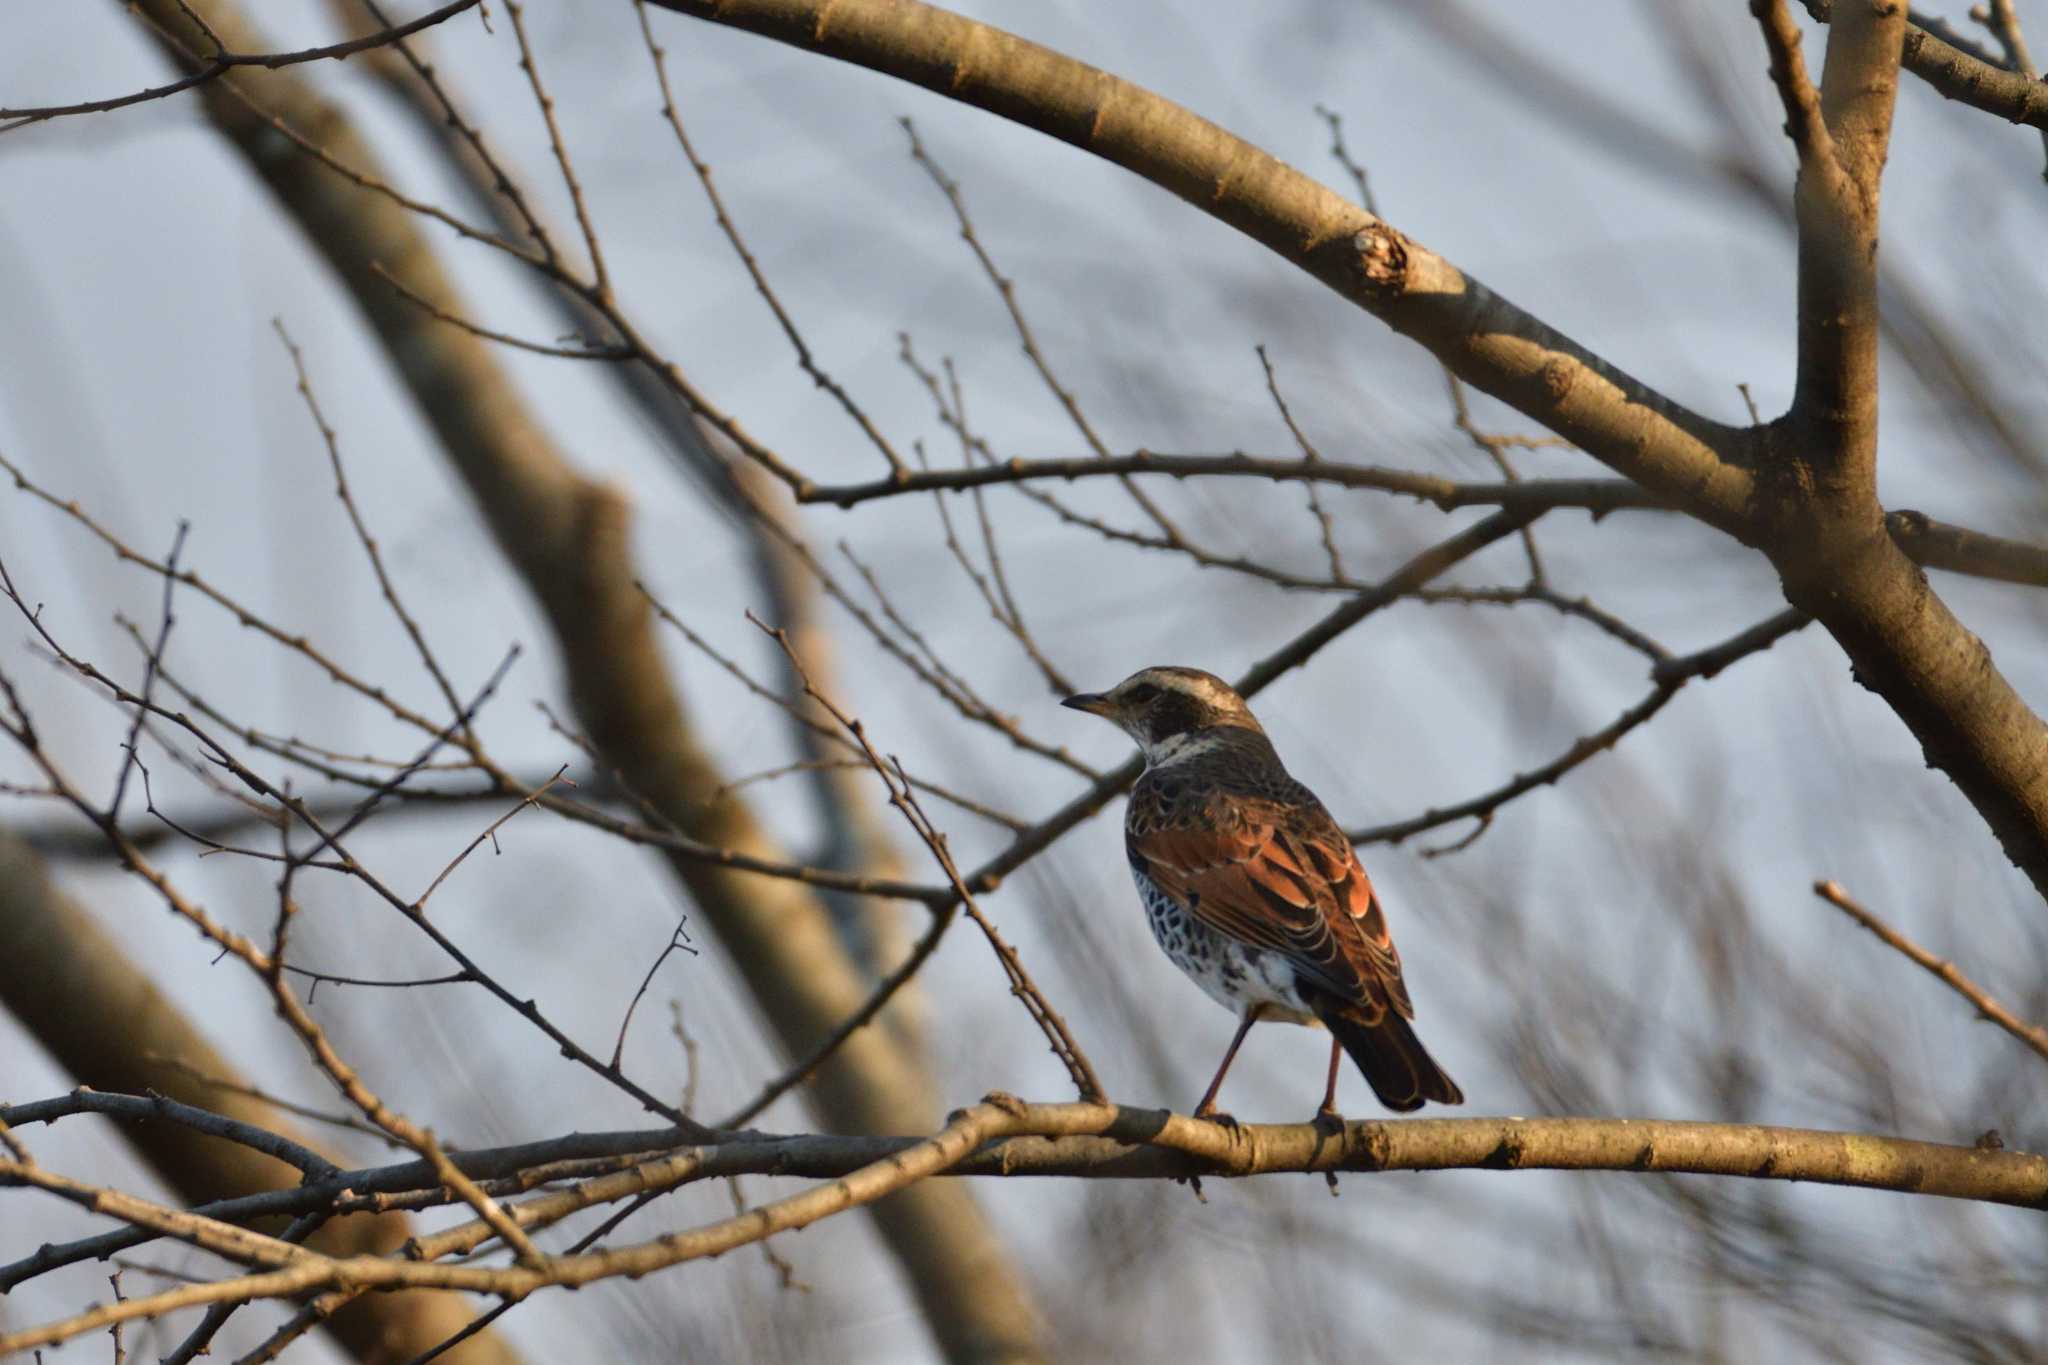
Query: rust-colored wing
[{"x": 1284, "y": 878}]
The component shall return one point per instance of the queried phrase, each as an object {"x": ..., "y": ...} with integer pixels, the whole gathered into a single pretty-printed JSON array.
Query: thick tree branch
[
  {"x": 1835, "y": 200},
  {"x": 1963, "y": 76},
  {"x": 1124, "y": 1143},
  {"x": 1005, "y": 1137},
  {"x": 1482, "y": 337},
  {"x": 1819, "y": 518},
  {"x": 1835, "y": 559}
]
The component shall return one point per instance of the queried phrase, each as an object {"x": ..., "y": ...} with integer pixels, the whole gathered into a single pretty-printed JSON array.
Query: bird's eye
[{"x": 1143, "y": 692}]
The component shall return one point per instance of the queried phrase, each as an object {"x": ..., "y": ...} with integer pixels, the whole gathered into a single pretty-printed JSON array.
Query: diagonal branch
[
  {"x": 1482, "y": 337},
  {"x": 221, "y": 61},
  {"x": 1957, "y": 73},
  {"x": 2033, "y": 1035},
  {"x": 1822, "y": 527},
  {"x": 1668, "y": 675},
  {"x": 1432, "y": 561}
]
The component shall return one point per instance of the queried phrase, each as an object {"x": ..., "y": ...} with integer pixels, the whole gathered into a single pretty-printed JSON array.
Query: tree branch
[
  {"x": 1904, "y": 642},
  {"x": 2033, "y": 1035},
  {"x": 72, "y": 985},
  {"x": 1668, "y": 675},
  {"x": 1963, "y": 76},
  {"x": 1835, "y": 200},
  {"x": 1931, "y": 544},
  {"x": 222, "y": 61},
  {"x": 1937, "y": 545},
  {"x": 1005, "y": 1137},
  {"x": 1480, "y": 336}
]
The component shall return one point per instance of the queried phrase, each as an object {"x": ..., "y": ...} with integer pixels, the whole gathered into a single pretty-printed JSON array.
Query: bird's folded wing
[{"x": 1267, "y": 882}]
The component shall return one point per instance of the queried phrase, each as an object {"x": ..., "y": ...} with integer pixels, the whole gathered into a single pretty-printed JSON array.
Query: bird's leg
[
  {"x": 1326, "y": 1113},
  {"x": 1207, "y": 1108}
]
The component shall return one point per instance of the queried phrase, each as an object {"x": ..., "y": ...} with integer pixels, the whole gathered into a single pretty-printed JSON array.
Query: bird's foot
[
  {"x": 1328, "y": 1122},
  {"x": 1211, "y": 1114}
]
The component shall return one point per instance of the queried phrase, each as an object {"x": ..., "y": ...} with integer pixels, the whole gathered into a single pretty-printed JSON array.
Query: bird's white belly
[{"x": 1232, "y": 974}]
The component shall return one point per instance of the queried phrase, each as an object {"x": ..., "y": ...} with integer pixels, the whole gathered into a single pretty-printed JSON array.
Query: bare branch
[
  {"x": 1937, "y": 545},
  {"x": 1957, "y": 73},
  {"x": 600, "y": 283},
  {"x": 1803, "y": 121},
  {"x": 702, "y": 169},
  {"x": 1004, "y": 1136},
  {"x": 904, "y": 798},
  {"x": 222, "y": 61},
  {"x": 1669, "y": 675},
  {"x": 2033, "y": 1035}
]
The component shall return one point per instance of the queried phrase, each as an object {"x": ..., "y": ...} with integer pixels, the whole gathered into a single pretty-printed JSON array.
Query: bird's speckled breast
[
  {"x": 1232, "y": 974},
  {"x": 1180, "y": 794}
]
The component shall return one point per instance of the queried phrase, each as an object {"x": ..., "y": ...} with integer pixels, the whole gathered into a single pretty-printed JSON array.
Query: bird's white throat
[{"x": 1180, "y": 748}]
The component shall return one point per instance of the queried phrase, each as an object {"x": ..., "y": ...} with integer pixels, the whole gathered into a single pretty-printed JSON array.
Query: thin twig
[
  {"x": 600, "y": 276},
  {"x": 884, "y": 991},
  {"x": 672, "y": 112},
  {"x": 1309, "y": 455},
  {"x": 221, "y": 61},
  {"x": 2033, "y": 1035},
  {"x": 355, "y": 520},
  {"x": 679, "y": 939},
  {"x": 1668, "y": 675},
  {"x": 904, "y": 797},
  {"x": 152, "y": 660},
  {"x": 1006, "y": 289}
]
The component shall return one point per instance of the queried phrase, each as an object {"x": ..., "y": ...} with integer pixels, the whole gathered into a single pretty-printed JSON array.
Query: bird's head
[{"x": 1167, "y": 709}]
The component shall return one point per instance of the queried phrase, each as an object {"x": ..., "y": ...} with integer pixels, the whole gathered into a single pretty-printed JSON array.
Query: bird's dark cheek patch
[{"x": 1169, "y": 716}]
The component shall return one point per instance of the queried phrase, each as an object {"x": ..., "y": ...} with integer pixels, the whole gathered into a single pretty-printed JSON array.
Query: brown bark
[
  {"x": 1004, "y": 1136},
  {"x": 1957, "y": 75}
]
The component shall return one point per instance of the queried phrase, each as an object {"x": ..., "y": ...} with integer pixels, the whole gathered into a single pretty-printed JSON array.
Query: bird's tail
[{"x": 1390, "y": 1056}]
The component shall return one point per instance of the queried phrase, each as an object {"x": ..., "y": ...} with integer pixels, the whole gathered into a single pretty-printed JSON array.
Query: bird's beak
[{"x": 1094, "y": 703}]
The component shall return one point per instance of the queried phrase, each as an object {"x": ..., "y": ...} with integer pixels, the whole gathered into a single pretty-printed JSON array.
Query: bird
[{"x": 1254, "y": 891}]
